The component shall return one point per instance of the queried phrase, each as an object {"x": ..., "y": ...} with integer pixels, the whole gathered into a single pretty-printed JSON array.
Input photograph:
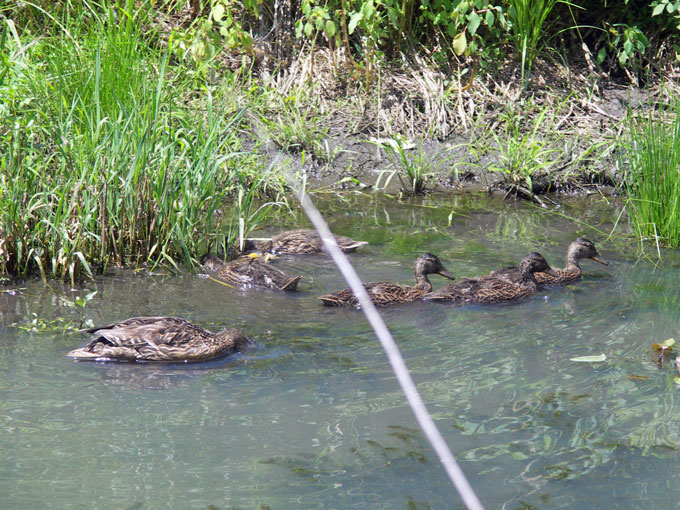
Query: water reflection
[{"x": 314, "y": 418}]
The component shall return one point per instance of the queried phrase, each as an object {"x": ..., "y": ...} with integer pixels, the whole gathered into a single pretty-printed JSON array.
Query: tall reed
[
  {"x": 107, "y": 155},
  {"x": 651, "y": 163},
  {"x": 528, "y": 18}
]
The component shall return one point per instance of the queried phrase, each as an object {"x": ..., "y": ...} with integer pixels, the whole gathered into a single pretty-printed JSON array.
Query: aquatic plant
[
  {"x": 520, "y": 154},
  {"x": 650, "y": 158},
  {"x": 412, "y": 165}
]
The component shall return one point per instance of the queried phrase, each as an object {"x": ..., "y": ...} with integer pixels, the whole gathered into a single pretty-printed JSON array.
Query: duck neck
[
  {"x": 422, "y": 282},
  {"x": 528, "y": 280},
  {"x": 572, "y": 264}
]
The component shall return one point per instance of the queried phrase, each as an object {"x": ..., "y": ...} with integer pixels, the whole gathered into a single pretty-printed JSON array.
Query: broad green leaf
[
  {"x": 473, "y": 22},
  {"x": 628, "y": 47},
  {"x": 354, "y": 21},
  {"x": 330, "y": 28},
  {"x": 490, "y": 18},
  {"x": 459, "y": 43},
  {"x": 308, "y": 29},
  {"x": 658, "y": 10},
  {"x": 590, "y": 359},
  {"x": 601, "y": 55},
  {"x": 218, "y": 12}
]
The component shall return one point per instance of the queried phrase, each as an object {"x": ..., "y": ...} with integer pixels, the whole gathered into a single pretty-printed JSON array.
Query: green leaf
[
  {"x": 331, "y": 29},
  {"x": 590, "y": 359},
  {"x": 628, "y": 47},
  {"x": 308, "y": 29},
  {"x": 368, "y": 9},
  {"x": 473, "y": 22},
  {"x": 601, "y": 55},
  {"x": 658, "y": 10},
  {"x": 459, "y": 43},
  {"x": 218, "y": 12},
  {"x": 490, "y": 18},
  {"x": 354, "y": 21}
]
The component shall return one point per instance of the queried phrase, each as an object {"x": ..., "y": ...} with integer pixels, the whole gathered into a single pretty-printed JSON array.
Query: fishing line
[{"x": 421, "y": 413}]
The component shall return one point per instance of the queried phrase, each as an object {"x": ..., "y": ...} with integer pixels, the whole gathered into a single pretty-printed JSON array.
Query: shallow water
[{"x": 314, "y": 417}]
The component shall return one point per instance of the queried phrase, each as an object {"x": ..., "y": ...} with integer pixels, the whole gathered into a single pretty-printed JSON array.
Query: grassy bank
[
  {"x": 134, "y": 134},
  {"x": 650, "y": 155},
  {"x": 111, "y": 154}
]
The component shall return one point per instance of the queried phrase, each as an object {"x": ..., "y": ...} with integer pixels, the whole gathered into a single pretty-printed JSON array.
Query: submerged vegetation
[{"x": 142, "y": 133}]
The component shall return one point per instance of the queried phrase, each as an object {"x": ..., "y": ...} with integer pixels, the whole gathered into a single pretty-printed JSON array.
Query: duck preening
[
  {"x": 250, "y": 270},
  {"x": 159, "y": 339},
  {"x": 299, "y": 241}
]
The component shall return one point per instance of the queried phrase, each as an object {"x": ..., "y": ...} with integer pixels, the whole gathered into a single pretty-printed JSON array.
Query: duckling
[
  {"x": 300, "y": 242},
  {"x": 581, "y": 248},
  {"x": 490, "y": 289},
  {"x": 387, "y": 293},
  {"x": 159, "y": 339},
  {"x": 250, "y": 271}
]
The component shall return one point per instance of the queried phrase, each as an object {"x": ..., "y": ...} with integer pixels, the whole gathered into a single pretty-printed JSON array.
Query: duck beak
[
  {"x": 446, "y": 274},
  {"x": 599, "y": 259},
  {"x": 551, "y": 272}
]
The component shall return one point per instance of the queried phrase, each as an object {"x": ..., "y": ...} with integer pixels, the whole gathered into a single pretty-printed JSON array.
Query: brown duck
[
  {"x": 387, "y": 293},
  {"x": 300, "y": 242},
  {"x": 159, "y": 339},
  {"x": 491, "y": 289},
  {"x": 250, "y": 271},
  {"x": 581, "y": 248}
]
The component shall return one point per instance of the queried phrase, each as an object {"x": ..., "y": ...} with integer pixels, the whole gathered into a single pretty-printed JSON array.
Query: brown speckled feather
[
  {"x": 387, "y": 293},
  {"x": 159, "y": 339},
  {"x": 250, "y": 271},
  {"x": 489, "y": 289},
  {"x": 581, "y": 248},
  {"x": 300, "y": 242}
]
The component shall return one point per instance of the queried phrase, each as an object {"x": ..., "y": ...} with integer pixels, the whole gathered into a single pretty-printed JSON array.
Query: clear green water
[{"x": 314, "y": 417}]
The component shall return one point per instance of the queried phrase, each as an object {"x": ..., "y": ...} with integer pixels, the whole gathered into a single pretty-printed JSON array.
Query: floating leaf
[
  {"x": 590, "y": 359},
  {"x": 634, "y": 377},
  {"x": 666, "y": 344}
]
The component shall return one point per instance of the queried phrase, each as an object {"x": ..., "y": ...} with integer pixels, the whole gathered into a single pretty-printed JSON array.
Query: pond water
[{"x": 315, "y": 419}]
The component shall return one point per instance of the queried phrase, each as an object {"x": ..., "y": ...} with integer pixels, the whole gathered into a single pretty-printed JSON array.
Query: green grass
[
  {"x": 651, "y": 163},
  {"x": 527, "y": 30},
  {"x": 523, "y": 152},
  {"x": 110, "y": 155},
  {"x": 412, "y": 165}
]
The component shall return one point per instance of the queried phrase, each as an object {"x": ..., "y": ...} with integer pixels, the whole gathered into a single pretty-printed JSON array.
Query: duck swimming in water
[
  {"x": 159, "y": 339},
  {"x": 494, "y": 289},
  {"x": 387, "y": 293},
  {"x": 581, "y": 248},
  {"x": 300, "y": 242}
]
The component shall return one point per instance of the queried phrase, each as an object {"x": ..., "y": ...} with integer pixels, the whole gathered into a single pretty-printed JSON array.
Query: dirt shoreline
[{"x": 587, "y": 113}]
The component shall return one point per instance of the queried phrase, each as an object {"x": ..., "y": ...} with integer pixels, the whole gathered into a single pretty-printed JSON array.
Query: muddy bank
[{"x": 558, "y": 136}]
